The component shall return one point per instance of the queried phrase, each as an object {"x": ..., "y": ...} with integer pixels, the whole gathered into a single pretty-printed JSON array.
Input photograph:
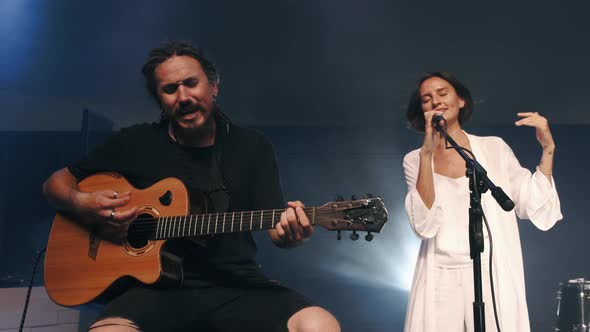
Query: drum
[{"x": 573, "y": 306}]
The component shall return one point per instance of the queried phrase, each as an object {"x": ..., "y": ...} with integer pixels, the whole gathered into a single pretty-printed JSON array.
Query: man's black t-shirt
[{"x": 145, "y": 154}]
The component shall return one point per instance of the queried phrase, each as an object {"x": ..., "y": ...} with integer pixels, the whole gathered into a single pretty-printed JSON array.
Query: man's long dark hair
[{"x": 415, "y": 114}]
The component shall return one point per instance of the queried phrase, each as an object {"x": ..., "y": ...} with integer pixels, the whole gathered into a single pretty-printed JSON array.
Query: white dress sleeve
[
  {"x": 425, "y": 222},
  {"x": 535, "y": 197}
]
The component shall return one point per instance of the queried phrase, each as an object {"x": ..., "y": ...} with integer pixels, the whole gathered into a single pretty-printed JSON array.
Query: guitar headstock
[{"x": 368, "y": 214}]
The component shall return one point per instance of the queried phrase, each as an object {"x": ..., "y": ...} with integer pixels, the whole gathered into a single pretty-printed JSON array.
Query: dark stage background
[{"x": 327, "y": 82}]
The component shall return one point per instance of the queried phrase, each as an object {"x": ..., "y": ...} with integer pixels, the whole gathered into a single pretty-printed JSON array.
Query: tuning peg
[
  {"x": 369, "y": 237},
  {"x": 354, "y": 236},
  {"x": 339, "y": 198},
  {"x": 339, "y": 236},
  {"x": 353, "y": 198},
  {"x": 369, "y": 195}
]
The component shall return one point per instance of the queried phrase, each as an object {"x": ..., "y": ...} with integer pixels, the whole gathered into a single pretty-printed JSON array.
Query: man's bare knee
[
  {"x": 312, "y": 319},
  {"x": 114, "y": 324}
]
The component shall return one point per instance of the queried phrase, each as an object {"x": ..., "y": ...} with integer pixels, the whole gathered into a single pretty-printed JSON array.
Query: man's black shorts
[{"x": 265, "y": 308}]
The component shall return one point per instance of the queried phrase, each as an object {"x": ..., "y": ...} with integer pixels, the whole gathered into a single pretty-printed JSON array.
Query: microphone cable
[{"x": 22, "y": 321}]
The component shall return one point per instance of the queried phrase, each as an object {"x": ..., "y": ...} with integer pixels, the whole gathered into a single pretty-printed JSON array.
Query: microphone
[
  {"x": 436, "y": 119},
  {"x": 503, "y": 200}
]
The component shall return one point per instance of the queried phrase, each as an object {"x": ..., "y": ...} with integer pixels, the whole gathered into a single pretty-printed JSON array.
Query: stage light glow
[
  {"x": 387, "y": 261},
  {"x": 404, "y": 270},
  {"x": 19, "y": 24}
]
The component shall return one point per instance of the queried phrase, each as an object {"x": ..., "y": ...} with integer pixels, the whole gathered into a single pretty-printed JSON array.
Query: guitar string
[
  {"x": 254, "y": 220},
  {"x": 211, "y": 219},
  {"x": 253, "y": 213},
  {"x": 250, "y": 217},
  {"x": 306, "y": 210},
  {"x": 265, "y": 225},
  {"x": 150, "y": 225},
  {"x": 134, "y": 233},
  {"x": 246, "y": 216},
  {"x": 175, "y": 230}
]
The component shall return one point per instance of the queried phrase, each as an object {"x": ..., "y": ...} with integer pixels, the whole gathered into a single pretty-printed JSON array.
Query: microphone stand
[{"x": 478, "y": 183}]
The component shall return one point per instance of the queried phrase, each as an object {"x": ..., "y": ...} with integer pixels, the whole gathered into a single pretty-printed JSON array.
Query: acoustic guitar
[{"x": 81, "y": 268}]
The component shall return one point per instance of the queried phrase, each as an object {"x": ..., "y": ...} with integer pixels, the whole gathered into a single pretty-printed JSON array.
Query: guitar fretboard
[{"x": 210, "y": 224}]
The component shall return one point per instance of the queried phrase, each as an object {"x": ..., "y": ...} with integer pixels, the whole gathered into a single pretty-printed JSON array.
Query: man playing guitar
[{"x": 231, "y": 169}]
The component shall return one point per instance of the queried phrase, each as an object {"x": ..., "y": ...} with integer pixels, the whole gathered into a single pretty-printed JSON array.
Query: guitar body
[{"x": 81, "y": 268}]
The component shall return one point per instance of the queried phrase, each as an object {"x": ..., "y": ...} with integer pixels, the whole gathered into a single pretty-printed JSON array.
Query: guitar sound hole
[{"x": 140, "y": 231}]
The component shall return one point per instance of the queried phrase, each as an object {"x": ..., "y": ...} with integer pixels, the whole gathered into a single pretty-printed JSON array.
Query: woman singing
[{"x": 437, "y": 205}]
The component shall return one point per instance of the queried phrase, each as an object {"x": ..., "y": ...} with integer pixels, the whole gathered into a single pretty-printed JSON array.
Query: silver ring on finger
[
  {"x": 115, "y": 194},
  {"x": 113, "y": 214}
]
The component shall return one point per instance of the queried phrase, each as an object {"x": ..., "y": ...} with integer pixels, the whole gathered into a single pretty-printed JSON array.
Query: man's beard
[{"x": 192, "y": 133}]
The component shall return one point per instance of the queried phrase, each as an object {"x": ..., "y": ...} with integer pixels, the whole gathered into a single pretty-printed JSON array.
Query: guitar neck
[{"x": 214, "y": 223}]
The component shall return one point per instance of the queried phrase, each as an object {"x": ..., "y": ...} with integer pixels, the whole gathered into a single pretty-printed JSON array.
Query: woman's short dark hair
[
  {"x": 166, "y": 51},
  {"x": 415, "y": 114}
]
